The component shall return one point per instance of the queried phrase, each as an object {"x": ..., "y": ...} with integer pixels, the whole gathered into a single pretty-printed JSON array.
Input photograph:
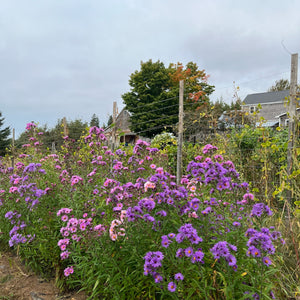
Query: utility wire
[
  {"x": 147, "y": 112},
  {"x": 167, "y": 116},
  {"x": 156, "y": 102}
]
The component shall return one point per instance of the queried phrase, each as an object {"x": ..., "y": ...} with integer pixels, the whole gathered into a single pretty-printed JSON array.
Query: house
[
  {"x": 121, "y": 129},
  {"x": 269, "y": 106},
  {"x": 284, "y": 120}
]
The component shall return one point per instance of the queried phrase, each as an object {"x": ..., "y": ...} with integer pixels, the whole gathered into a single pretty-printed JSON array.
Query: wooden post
[
  {"x": 292, "y": 114},
  {"x": 65, "y": 126},
  {"x": 53, "y": 149},
  {"x": 180, "y": 133},
  {"x": 114, "y": 128}
]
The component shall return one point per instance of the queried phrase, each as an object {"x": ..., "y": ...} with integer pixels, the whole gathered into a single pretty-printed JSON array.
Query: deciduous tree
[
  {"x": 280, "y": 85},
  {"x": 153, "y": 98}
]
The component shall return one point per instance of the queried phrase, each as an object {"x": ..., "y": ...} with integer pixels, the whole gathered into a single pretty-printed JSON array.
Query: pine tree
[
  {"x": 4, "y": 140},
  {"x": 110, "y": 120},
  {"x": 94, "y": 121}
]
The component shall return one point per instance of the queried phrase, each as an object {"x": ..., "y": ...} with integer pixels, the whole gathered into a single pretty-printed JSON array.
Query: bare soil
[{"x": 18, "y": 283}]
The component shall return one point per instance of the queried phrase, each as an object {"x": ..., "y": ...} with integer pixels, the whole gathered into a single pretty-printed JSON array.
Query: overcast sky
[{"x": 73, "y": 58}]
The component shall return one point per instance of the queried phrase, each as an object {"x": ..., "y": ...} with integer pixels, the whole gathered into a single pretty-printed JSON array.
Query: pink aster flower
[
  {"x": 64, "y": 218},
  {"x": 118, "y": 207},
  {"x": 113, "y": 236},
  {"x": 82, "y": 226},
  {"x": 68, "y": 271},
  {"x": 149, "y": 185},
  {"x": 65, "y": 255}
]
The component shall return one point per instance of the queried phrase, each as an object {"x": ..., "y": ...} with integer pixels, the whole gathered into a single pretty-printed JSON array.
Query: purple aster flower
[
  {"x": 178, "y": 277},
  {"x": 220, "y": 249},
  {"x": 9, "y": 215},
  {"x": 259, "y": 208},
  {"x": 165, "y": 241},
  {"x": 267, "y": 261},
  {"x": 179, "y": 238},
  {"x": 236, "y": 224},
  {"x": 231, "y": 260},
  {"x": 149, "y": 218},
  {"x": 197, "y": 256},
  {"x": 180, "y": 252},
  {"x": 189, "y": 252},
  {"x": 157, "y": 278},
  {"x": 172, "y": 286},
  {"x": 253, "y": 251},
  {"x": 162, "y": 213},
  {"x": 195, "y": 239},
  {"x": 275, "y": 235},
  {"x": 232, "y": 247},
  {"x": 155, "y": 262},
  {"x": 255, "y": 296},
  {"x": 159, "y": 255},
  {"x": 149, "y": 204},
  {"x": 250, "y": 232},
  {"x": 206, "y": 210}
]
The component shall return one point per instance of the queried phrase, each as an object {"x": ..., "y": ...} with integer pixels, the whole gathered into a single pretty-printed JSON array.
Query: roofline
[{"x": 263, "y": 103}]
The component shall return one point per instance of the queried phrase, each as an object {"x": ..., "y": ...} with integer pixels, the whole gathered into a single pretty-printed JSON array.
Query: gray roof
[
  {"x": 268, "y": 97},
  {"x": 267, "y": 124}
]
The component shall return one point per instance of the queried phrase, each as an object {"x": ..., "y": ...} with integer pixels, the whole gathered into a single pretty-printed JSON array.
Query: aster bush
[{"x": 117, "y": 225}]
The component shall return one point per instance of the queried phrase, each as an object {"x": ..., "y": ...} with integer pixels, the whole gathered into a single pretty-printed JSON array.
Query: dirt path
[{"x": 17, "y": 283}]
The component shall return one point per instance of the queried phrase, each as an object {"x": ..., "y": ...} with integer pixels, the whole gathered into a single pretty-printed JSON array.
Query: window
[
  {"x": 286, "y": 122},
  {"x": 254, "y": 109}
]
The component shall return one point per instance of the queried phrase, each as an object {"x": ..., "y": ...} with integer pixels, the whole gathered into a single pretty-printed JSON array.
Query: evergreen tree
[
  {"x": 4, "y": 140},
  {"x": 94, "y": 121},
  {"x": 110, "y": 120}
]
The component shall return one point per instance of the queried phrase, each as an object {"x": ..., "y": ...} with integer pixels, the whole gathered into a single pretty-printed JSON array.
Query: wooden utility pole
[
  {"x": 65, "y": 126},
  {"x": 53, "y": 149},
  {"x": 180, "y": 133},
  {"x": 13, "y": 148},
  {"x": 114, "y": 126},
  {"x": 292, "y": 111}
]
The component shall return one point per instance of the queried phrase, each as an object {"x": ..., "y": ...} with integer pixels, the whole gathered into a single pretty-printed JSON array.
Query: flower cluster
[
  {"x": 260, "y": 208},
  {"x": 76, "y": 179},
  {"x": 222, "y": 249},
  {"x": 113, "y": 232},
  {"x": 73, "y": 231},
  {"x": 152, "y": 264},
  {"x": 260, "y": 243}
]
